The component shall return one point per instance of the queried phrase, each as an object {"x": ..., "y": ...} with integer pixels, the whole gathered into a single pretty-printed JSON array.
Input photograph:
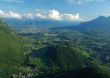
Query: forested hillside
[{"x": 11, "y": 50}]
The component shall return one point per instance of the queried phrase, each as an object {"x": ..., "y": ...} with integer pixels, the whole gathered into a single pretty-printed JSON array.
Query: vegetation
[
  {"x": 66, "y": 52},
  {"x": 11, "y": 51}
]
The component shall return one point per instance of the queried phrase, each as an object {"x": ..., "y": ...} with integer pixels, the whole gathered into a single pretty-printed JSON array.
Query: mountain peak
[{"x": 101, "y": 17}]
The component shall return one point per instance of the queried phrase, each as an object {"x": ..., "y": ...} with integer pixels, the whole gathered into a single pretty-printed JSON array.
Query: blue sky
[{"x": 55, "y": 9}]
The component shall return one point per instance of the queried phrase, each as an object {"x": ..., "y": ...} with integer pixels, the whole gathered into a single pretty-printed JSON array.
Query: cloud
[
  {"x": 28, "y": 15},
  {"x": 71, "y": 16},
  {"x": 13, "y": 1},
  {"x": 83, "y": 1},
  {"x": 2, "y": 13},
  {"x": 42, "y": 14},
  {"x": 56, "y": 15},
  {"x": 14, "y": 15},
  {"x": 10, "y": 15}
]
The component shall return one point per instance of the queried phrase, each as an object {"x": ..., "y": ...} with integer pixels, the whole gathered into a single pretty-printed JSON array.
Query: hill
[
  {"x": 64, "y": 61},
  {"x": 11, "y": 50},
  {"x": 65, "y": 58}
]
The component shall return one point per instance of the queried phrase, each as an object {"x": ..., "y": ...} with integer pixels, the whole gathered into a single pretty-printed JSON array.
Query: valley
[
  {"x": 92, "y": 44},
  {"x": 56, "y": 52},
  {"x": 54, "y": 39}
]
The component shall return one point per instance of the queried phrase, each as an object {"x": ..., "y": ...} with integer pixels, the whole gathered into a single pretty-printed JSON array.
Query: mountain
[
  {"x": 82, "y": 73},
  {"x": 69, "y": 62},
  {"x": 61, "y": 57},
  {"x": 97, "y": 33},
  {"x": 74, "y": 51},
  {"x": 100, "y": 25},
  {"x": 11, "y": 51},
  {"x": 93, "y": 36},
  {"x": 23, "y": 23}
]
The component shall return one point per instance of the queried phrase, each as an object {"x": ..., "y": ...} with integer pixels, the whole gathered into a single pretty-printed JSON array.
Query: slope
[{"x": 11, "y": 50}]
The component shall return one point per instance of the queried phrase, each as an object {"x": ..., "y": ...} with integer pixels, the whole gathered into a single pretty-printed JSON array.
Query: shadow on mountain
[{"x": 82, "y": 73}]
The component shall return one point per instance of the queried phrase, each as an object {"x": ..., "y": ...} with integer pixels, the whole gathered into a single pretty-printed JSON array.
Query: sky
[{"x": 61, "y": 10}]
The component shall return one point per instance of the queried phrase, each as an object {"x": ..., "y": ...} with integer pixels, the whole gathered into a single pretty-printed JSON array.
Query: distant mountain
[
  {"x": 11, "y": 51},
  {"x": 20, "y": 23},
  {"x": 99, "y": 24},
  {"x": 99, "y": 27}
]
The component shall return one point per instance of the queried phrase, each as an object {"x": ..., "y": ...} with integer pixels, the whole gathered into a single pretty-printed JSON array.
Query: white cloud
[
  {"x": 83, "y": 1},
  {"x": 71, "y": 16},
  {"x": 13, "y": 1},
  {"x": 10, "y": 14},
  {"x": 14, "y": 15},
  {"x": 54, "y": 14},
  {"x": 42, "y": 14},
  {"x": 28, "y": 15},
  {"x": 2, "y": 13}
]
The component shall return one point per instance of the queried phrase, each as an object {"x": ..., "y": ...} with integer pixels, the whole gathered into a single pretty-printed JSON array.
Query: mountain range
[{"x": 22, "y": 23}]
